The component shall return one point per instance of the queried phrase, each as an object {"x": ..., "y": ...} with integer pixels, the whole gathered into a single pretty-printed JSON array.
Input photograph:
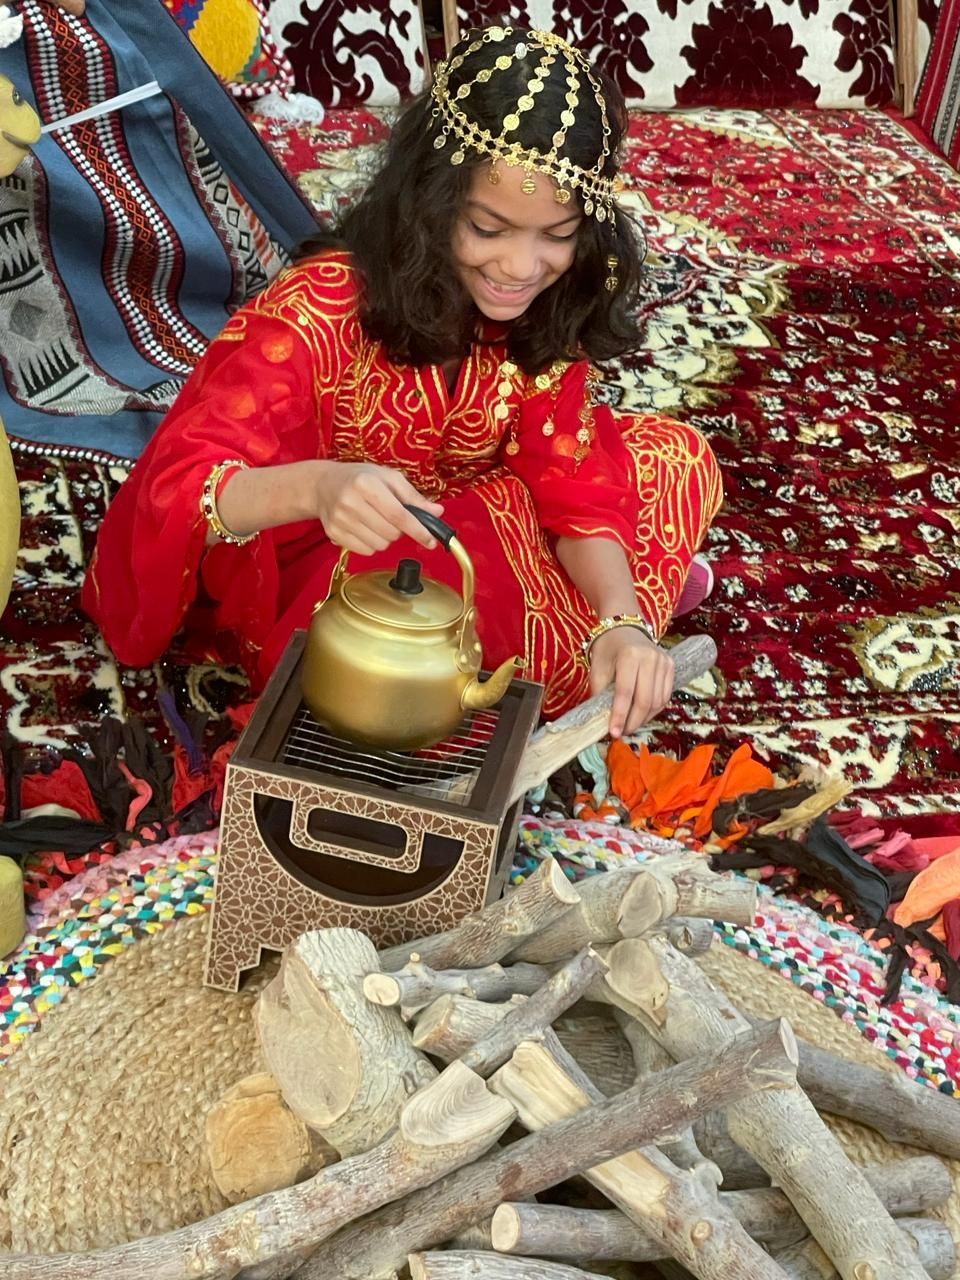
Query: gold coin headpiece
[{"x": 451, "y": 111}]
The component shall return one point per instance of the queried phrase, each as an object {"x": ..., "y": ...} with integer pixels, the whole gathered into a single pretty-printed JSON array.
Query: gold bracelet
[
  {"x": 610, "y": 624},
  {"x": 208, "y": 503}
]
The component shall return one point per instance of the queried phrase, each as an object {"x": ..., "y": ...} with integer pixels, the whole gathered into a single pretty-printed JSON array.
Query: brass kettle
[{"x": 392, "y": 659}]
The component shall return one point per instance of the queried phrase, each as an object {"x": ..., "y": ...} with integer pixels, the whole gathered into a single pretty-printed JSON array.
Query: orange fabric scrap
[
  {"x": 663, "y": 794},
  {"x": 930, "y": 890}
]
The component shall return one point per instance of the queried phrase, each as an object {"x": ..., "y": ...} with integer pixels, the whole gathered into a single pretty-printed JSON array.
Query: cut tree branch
[
  {"x": 463, "y": 1265},
  {"x": 416, "y": 985},
  {"x": 488, "y": 935},
  {"x": 534, "y": 1016}
]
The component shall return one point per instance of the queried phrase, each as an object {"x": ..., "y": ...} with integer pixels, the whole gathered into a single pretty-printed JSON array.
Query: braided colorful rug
[{"x": 800, "y": 309}]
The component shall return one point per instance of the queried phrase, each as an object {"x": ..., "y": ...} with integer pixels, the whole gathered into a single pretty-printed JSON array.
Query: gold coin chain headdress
[{"x": 596, "y": 189}]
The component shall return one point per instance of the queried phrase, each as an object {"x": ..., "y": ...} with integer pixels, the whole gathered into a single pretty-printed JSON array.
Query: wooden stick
[
  {"x": 536, "y": 1014},
  {"x": 448, "y": 1123},
  {"x": 456, "y": 1265},
  {"x": 633, "y": 901},
  {"x": 673, "y": 1206},
  {"x": 488, "y": 935},
  {"x": 691, "y": 936},
  {"x": 783, "y": 1132},
  {"x": 889, "y": 1102},
  {"x": 377, "y": 1246},
  {"x": 933, "y": 1242},
  {"x": 905, "y": 1188},
  {"x": 599, "y": 915},
  {"x": 447, "y": 1028},
  {"x": 560, "y": 740},
  {"x": 343, "y": 1065},
  {"x": 557, "y": 1231},
  {"x": 687, "y": 889},
  {"x": 634, "y": 981},
  {"x": 416, "y": 985}
]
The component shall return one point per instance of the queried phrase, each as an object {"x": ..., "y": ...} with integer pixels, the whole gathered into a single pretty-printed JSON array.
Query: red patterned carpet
[{"x": 801, "y": 308}]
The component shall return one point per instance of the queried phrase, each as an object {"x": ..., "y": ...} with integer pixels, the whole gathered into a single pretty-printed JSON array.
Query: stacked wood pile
[{"x": 552, "y": 1090}]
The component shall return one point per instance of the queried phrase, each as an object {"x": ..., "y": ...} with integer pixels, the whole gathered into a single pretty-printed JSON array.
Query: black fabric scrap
[
  {"x": 767, "y": 803},
  {"x": 71, "y": 836},
  {"x": 825, "y": 860},
  {"x": 901, "y": 938}
]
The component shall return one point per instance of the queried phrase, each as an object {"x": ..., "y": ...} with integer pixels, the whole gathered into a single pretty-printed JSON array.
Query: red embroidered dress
[{"x": 294, "y": 376}]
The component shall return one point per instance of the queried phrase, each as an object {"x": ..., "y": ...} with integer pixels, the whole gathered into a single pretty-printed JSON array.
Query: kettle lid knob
[{"x": 406, "y": 580}]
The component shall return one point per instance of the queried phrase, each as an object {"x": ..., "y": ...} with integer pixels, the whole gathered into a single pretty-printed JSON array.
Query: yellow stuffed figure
[
  {"x": 19, "y": 127},
  {"x": 19, "y": 130}
]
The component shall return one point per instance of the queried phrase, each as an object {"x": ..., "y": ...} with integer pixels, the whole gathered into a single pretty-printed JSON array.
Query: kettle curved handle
[
  {"x": 447, "y": 537},
  {"x": 440, "y": 530}
]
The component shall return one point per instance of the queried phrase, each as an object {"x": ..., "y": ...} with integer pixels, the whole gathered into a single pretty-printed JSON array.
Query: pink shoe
[{"x": 696, "y": 589}]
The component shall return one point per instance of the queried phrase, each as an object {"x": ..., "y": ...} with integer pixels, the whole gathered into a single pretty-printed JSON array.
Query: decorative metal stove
[{"x": 317, "y": 831}]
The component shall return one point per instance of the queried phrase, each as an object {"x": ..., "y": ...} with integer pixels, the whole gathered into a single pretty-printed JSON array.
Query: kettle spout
[{"x": 479, "y": 696}]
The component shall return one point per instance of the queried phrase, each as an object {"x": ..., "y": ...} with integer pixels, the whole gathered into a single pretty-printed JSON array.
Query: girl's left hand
[{"x": 641, "y": 674}]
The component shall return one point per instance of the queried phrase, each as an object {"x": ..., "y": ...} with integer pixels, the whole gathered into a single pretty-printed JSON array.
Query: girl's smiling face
[{"x": 510, "y": 245}]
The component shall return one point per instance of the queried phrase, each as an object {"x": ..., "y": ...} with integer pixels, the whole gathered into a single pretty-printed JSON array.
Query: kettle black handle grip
[{"x": 443, "y": 533}]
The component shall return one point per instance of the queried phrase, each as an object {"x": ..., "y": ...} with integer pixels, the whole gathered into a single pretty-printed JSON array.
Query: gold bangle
[
  {"x": 610, "y": 624},
  {"x": 208, "y": 503}
]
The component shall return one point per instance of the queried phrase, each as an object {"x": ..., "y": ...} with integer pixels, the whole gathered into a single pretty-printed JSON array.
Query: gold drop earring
[{"x": 612, "y": 279}]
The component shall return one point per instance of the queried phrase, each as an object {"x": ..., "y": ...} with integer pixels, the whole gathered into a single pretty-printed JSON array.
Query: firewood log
[
  {"x": 450, "y": 1122},
  {"x": 376, "y": 1247},
  {"x": 905, "y": 1188},
  {"x": 488, "y": 935},
  {"x": 887, "y": 1101},
  {"x": 634, "y": 981},
  {"x": 257, "y": 1144},
  {"x": 457, "y": 1265},
  {"x": 416, "y": 985},
  {"x": 783, "y": 1132},
  {"x": 557, "y": 1231},
  {"x": 453, "y": 1024},
  {"x": 690, "y": 935},
  {"x": 520, "y": 1022},
  {"x": 344, "y": 1065},
  {"x": 535, "y": 1014},
  {"x": 633, "y": 901},
  {"x": 933, "y": 1242},
  {"x": 602, "y": 912},
  {"x": 448, "y": 1027},
  {"x": 560, "y": 740},
  {"x": 544, "y": 1085}
]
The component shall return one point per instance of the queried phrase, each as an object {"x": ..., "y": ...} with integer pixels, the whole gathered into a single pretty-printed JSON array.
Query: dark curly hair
[{"x": 400, "y": 230}]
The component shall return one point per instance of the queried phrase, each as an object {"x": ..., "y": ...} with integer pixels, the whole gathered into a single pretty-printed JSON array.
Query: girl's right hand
[{"x": 361, "y": 506}]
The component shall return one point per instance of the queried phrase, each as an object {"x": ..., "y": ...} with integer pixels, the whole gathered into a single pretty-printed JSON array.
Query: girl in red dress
[{"x": 434, "y": 348}]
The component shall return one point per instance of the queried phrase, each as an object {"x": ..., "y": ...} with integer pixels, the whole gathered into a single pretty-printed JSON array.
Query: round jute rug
[{"x": 102, "y": 1110}]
